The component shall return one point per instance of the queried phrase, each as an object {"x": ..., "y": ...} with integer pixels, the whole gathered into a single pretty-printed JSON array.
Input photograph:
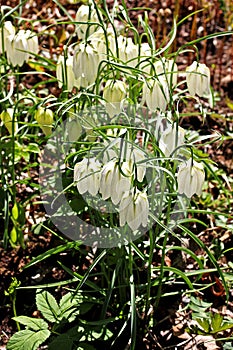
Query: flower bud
[
  {"x": 44, "y": 117},
  {"x": 114, "y": 93},
  {"x": 198, "y": 79},
  {"x": 74, "y": 129},
  {"x": 190, "y": 178},
  {"x": 7, "y": 119}
]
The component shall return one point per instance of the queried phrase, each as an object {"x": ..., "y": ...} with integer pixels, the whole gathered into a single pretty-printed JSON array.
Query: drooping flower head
[
  {"x": 190, "y": 178},
  {"x": 198, "y": 79}
]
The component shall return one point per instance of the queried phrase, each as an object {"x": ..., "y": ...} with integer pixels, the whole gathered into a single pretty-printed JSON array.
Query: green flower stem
[{"x": 132, "y": 299}]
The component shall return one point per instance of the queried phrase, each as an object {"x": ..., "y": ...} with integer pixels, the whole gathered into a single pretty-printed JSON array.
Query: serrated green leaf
[
  {"x": 47, "y": 305},
  {"x": 27, "y": 339},
  {"x": 69, "y": 307},
  {"x": 35, "y": 324}
]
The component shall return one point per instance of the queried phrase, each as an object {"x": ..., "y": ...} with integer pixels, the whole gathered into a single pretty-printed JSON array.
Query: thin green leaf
[
  {"x": 53, "y": 251},
  {"x": 178, "y": 273}
]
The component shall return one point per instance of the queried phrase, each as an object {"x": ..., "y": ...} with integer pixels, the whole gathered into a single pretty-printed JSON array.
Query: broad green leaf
[
  {"x": 47, "y": 305},
  {"x": 33, "y": 147},
  {"x": 65, "y": 341},
  {"x": 62, "y": 342},
  {"x": 85, "y": 307},
  {"x": 204, "y": 323},
  {"x": 96, "y": 333},
  {"x": 27, "y": 339},
  {"x": 216, "y": 321},
  {"x": 85, "y": 346},
  {"x": 36, "y": 324},
  {"x": 225, "y": 326}
]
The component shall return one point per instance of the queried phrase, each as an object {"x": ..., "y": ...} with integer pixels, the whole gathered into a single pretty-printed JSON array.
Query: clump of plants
[{"x": 117, "y": 172}]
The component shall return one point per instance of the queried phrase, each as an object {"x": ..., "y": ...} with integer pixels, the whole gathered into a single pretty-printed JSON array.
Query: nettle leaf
[
  {"x": 27, "y": 339},
  {"x": 36, "y": 324},
  {"x": 47, "y": 305}
]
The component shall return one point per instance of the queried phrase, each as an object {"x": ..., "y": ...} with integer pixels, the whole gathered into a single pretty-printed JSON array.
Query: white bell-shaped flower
[
  {"x": 33, "y": 44},
  {"x": 171, "y": 138},
  {"x": 8, "y": 29},
  {"x": 123, "y": 150},
  {"x": 190, "y": 178},
  {"x": 137, "y": 156},
  {"x": 115, "y": 180},
  {"x": 86, "y": 13},
  {"x": 21, "y": 46},
  {"x": 155, "y": 94},
  {"x": 128, "y": 51},
  {"x": 134, "y": 209},
  {"x": 87, "y": 176},
  {"x": 104, "y": 43},
  {"x": 145, "y": 58},
  {"x": 198, "y": 79},
  {"x": 114, "y": 94},
  {"x": 85, "y": 64},
  {"x": 167, "y": 70},
  {"x": 65, "y": 73}
]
